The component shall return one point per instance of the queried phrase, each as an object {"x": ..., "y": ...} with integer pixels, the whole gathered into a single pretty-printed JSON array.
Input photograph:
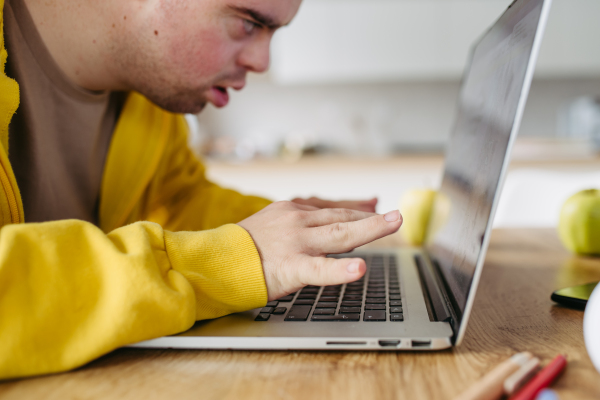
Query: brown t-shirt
[{"x": 59, "y": 137}]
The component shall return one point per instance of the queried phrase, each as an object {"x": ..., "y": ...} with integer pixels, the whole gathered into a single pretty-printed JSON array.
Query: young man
[{"x": 111, "y": 233}]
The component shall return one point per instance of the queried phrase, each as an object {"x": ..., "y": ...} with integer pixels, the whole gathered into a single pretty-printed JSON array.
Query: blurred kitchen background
[{"x": 360, "y": 98}]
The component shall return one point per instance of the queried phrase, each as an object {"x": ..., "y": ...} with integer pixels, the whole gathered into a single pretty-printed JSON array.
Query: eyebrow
[{"x": 259, "y": 17}]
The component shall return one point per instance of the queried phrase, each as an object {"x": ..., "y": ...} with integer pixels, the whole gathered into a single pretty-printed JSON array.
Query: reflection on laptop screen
[{"x": 487, "y": 110}]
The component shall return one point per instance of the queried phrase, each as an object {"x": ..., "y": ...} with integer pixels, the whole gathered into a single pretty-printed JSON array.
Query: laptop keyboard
[{"x": 375, "y": 297}]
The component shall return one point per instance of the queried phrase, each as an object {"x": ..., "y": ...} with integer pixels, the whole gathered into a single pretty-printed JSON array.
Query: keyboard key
[
  {"x": 326, "y": 304},
  {"x": 286, "y": 299},
  {"x": 371, "y": 300},
  {"x": 304, "y": 302},
  {"x": 394, "y": 291},
  {"x": 330, "y": 293},
  {"x": 395, "y": 303},
  {"x": 307, "y": 296},
  {"x": 279, "y": 310},
  {"x": 298, "y": 313},
  {"x": 349, "y": 310},
  {"x": 354, "y": 291},
  {"x": 351, "y": 303},
  {"x": 267, "y": 310},
  {"x": 396, "y": 310},
  {"x": 374, "y": 306},
  {"x": 262, "y": 317},
  {"x": 309, "y": 291},
  {"x": 272, "y": 304},
  {"x": 380, "y": 295},
  {"x": 324, "y": 311},
  {"x": 353, "y": 298},
  {"x": 329, "y": 298},
  {"x": 395, "y": 297},
  {"x": 374, "y": 316},
  {"x": 396, "y": 317},
  {"x": 339, "y": 317}
]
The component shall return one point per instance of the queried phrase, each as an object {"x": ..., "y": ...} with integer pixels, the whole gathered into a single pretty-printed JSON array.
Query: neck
[{"x": 79, "y": 35}]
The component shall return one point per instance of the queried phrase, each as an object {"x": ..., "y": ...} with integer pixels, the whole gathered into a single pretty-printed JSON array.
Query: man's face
[{"x": 189, "y": 52}]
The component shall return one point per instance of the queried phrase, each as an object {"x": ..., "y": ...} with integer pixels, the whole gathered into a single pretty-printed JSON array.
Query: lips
[{"x": 218, "y": 96}]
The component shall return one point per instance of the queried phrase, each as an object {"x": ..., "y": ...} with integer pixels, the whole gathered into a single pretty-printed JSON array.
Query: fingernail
[
  {"x": 352, "y": 268},
  {"x": 392, "y": 216}
]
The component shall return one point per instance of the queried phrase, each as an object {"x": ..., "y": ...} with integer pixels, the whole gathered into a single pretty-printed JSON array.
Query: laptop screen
[{"x": 488, "y": 105}]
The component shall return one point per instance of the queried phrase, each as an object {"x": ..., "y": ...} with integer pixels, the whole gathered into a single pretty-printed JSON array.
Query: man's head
[{"x": 182, "y": 54}]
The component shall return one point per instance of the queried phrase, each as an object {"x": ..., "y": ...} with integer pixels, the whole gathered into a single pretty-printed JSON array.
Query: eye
[{"x": 249, "y": 26}]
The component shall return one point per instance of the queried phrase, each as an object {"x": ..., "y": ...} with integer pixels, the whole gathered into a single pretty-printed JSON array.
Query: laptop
[{"x": 414, "y": 298}]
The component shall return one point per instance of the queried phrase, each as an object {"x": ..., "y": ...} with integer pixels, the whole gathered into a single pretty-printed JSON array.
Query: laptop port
[
  {"x": 389, "y": 343},
  {"x": 421, "y": 344},
  {"x": 346, "y": 343}
]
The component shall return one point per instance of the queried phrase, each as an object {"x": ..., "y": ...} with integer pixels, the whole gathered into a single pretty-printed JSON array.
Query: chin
[{"x": 179, "y": 104}]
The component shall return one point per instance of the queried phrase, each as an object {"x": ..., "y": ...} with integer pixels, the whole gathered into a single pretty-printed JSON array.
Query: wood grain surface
[{"x": 512, "y": 312}]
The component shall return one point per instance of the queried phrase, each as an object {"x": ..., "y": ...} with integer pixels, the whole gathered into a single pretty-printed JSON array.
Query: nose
[{"x": 255, "y": 56}]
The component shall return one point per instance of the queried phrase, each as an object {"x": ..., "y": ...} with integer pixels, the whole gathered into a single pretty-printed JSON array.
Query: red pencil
[{"x": 543, "y": 379}]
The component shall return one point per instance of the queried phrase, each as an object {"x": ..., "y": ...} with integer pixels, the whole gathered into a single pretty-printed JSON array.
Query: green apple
[
  {"x": 579, "y": 224},
  {"x": 416, "y": 206}
]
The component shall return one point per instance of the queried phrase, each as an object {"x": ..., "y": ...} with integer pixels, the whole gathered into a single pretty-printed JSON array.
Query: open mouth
[{"x": 219, "y": 96}]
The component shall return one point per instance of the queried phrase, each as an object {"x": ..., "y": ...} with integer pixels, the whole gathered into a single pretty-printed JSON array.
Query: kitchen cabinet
[{"x": 391, "y": 40}]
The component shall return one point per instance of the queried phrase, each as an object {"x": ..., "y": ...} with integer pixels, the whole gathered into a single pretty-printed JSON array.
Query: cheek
[{"x": 200, "y": 56}]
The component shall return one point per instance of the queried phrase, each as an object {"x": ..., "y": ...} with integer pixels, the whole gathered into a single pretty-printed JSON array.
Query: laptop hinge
[{"x": 433, "y": 298}]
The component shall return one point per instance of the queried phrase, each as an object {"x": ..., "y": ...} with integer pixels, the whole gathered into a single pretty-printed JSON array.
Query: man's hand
[
  {"x": 293, "y": 240},
  {"x": 360, "y": 205}
]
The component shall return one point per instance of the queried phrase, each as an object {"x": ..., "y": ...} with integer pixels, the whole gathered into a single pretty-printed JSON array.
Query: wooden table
[{"x": 512, "y": 313}]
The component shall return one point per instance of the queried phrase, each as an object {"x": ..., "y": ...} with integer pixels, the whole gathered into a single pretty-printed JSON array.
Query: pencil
[
  {"x": 517, "y": 380},
  {"x": 491, "y": 386},
  {"x": 545, "y": 377}
]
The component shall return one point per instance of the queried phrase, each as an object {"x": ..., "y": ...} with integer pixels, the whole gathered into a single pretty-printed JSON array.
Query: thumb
[{"x": 322, "y": 271}]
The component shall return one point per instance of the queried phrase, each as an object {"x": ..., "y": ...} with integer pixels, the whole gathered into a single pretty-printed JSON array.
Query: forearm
[{"x": 69, "y": 293}]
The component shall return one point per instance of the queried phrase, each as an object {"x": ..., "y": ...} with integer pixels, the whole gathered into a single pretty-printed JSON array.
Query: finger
[
  {"x": 304, "y": 207},
  {"x": 321, "y": 271},
  {"x": 345, "y": 236},
  {"x": 361, "y": 205},
  {"x": 313, "y": 201},
  {"x": 368, "y": 206},
  {"x": 329, "y": 216}
]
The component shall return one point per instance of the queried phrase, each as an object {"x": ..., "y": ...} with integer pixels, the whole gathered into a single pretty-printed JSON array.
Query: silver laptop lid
[{"x": 490, "y": 107}]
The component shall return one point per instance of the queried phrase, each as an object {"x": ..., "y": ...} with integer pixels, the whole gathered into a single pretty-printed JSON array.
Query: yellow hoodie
[{"x": 167, "y": 252}]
